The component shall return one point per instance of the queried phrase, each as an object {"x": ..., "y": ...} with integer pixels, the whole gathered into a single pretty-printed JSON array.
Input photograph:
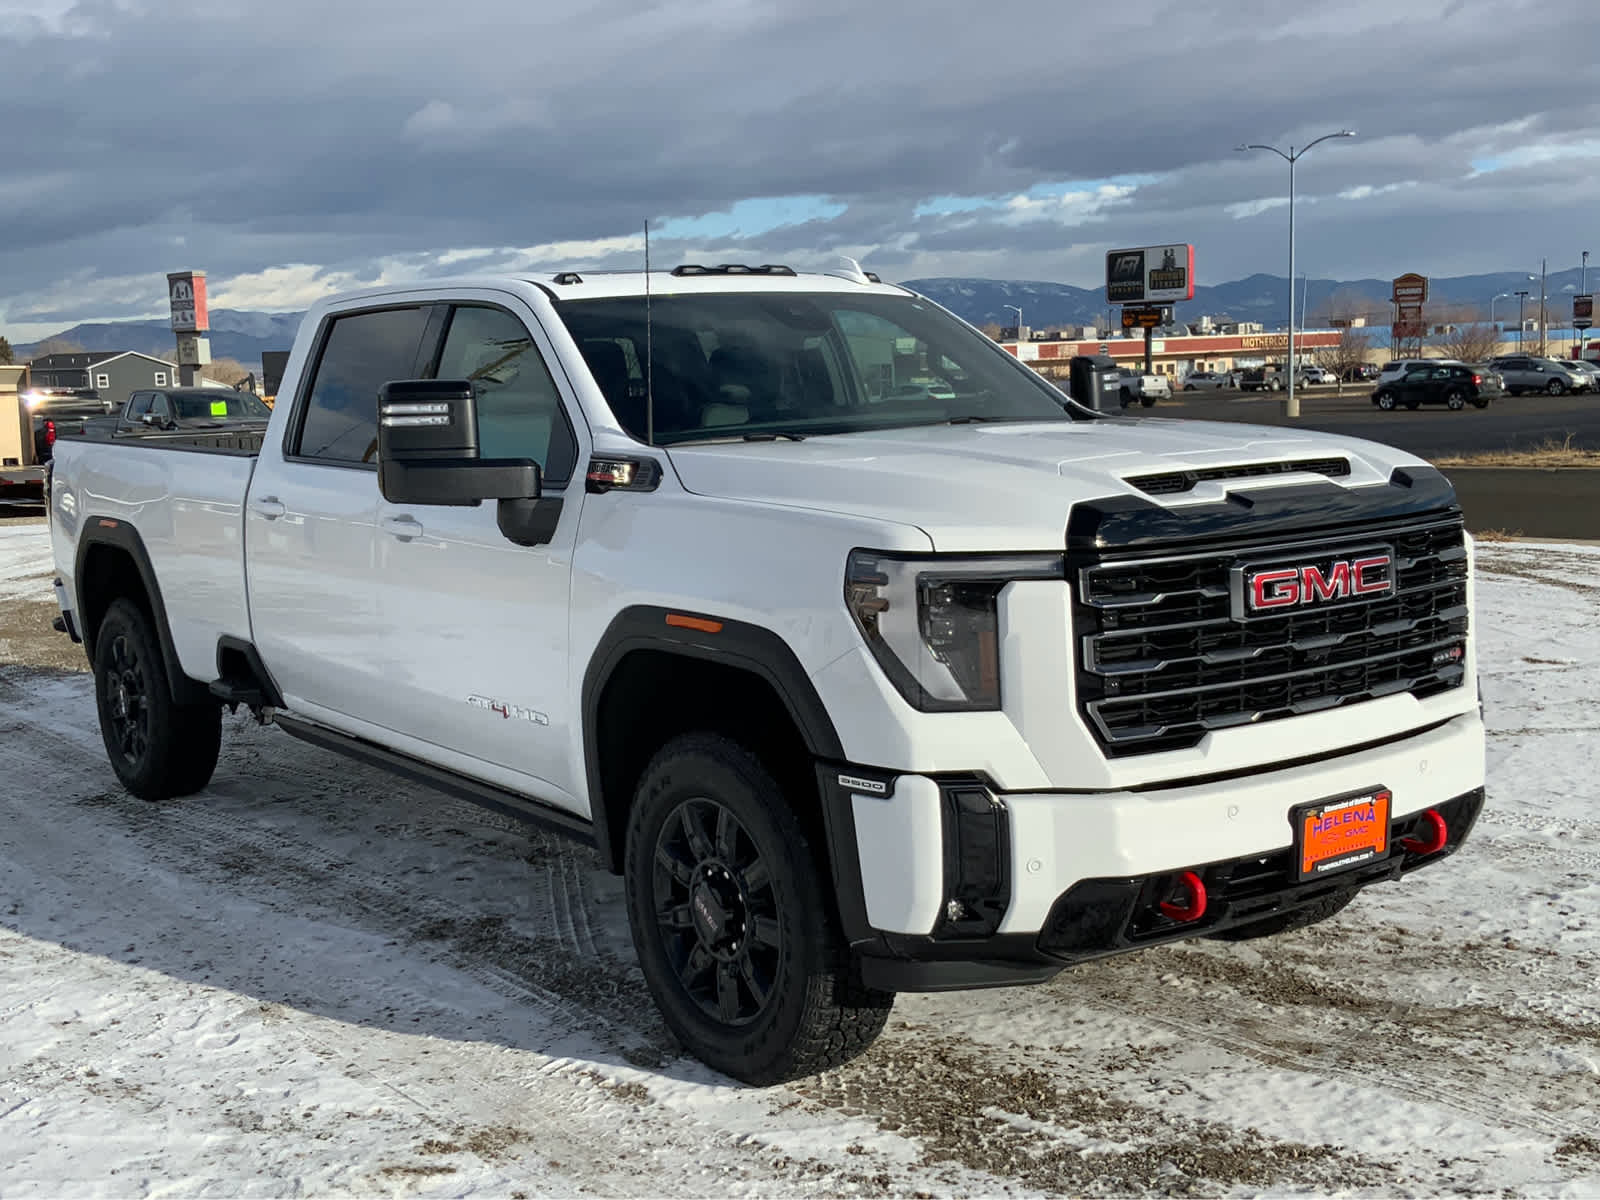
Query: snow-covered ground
[{"x": 312, "y": 980}]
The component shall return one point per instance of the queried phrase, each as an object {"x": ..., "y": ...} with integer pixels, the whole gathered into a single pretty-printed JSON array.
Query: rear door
[
  {"x": 479, "y": 625},
  {"x": 311, "y": 515}
]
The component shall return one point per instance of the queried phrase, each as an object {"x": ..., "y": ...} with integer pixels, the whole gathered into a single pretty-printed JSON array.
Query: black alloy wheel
[
  {"x": 717, "y": 911},
  {"x": 158, "y": 747},
  {"x": 126, "y": 706},
  {"x": 737, "y": 939}
]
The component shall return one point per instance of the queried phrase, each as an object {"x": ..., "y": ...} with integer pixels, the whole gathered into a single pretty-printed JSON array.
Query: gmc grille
[{"x": 1163, "y": 658}]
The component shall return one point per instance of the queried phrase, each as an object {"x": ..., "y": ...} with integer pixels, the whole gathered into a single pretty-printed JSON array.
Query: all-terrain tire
[
  {"x": 1312, "y": 914},
  {"x": 158, "y": 748},
  {"x": 737, "y": 941}
]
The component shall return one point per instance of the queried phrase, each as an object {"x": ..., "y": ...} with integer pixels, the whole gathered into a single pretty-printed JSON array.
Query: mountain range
[{"x": 244, "y": 335}]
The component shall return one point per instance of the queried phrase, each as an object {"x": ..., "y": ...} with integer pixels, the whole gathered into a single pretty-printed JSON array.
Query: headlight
[{"x": 932, "y": 622}]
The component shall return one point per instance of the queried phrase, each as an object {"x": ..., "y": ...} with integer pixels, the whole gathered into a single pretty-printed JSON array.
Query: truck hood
[{"x": 1008, "y": 486}]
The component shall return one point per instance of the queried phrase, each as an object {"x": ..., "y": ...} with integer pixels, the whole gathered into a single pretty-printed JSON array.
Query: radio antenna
[{"x": 649, "y": 352}]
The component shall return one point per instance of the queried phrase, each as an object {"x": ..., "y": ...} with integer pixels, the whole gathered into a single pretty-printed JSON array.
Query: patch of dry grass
[{"x": 1549, "y": 453}]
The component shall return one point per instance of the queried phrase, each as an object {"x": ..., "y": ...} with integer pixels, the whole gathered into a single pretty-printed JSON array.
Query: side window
[
  {"x": 1416, "y": 377},
  {"x": 519, "y": 408},
  {"x": 363, "y": 351},
  {"x": 139, "y": 405}
]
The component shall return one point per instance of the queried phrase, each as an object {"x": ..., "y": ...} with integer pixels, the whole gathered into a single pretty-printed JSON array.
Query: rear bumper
[
  {"x": 28, "y": 478},
  {"x": 946, "y": 884}
]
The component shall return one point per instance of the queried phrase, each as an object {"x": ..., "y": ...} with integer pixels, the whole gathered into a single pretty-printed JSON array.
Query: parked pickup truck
[
  {"x": 219, "y": 417},
  {"x": 860, "y": 689},
  {"x": 1144, "y": 389}
]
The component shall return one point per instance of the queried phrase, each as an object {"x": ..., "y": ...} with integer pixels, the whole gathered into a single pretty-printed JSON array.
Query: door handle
[
  {"x": 269, "y": 507},
  {"x": 403, "y": 528}
]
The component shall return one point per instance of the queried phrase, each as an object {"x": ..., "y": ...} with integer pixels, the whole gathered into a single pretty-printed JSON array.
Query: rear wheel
[
  {"x": 1455, "y": 400},
  {"x": 1556, "y": 387},
  {"x": 158, "y": 747},
  {"x": 1385, "y": 401},
  {"x": 1312, "y": 914},
  {"x": 735, "y": 938}
]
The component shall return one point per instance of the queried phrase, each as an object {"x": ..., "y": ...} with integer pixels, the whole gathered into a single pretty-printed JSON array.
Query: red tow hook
[
  {"x": 1435, "y": 833},
  {"x": 1192, "y": 905}
]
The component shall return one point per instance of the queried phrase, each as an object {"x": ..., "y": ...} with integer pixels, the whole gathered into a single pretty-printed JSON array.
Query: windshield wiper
[
  {"x": 972, "y": 419},
  {"x": 789, "y": 434}
]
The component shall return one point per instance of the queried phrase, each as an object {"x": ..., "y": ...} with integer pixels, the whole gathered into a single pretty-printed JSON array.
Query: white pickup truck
[{"x": 871, "y": 661}]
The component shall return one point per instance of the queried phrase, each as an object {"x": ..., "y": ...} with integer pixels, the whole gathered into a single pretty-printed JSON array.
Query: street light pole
[
  {"x": 1492, "y": 299},
  {"x": 1018, "y": 311},
  {"x": 1291, "y": 406},
  {"x": 1521, "y": 296},
  {"x": 1583, "y": 287}
]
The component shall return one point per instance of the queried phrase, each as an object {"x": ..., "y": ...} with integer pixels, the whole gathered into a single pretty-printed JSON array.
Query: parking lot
[{"x": 1515, "y": 422}]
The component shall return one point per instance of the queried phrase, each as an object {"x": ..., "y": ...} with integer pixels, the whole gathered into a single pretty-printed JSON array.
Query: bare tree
[
  {"x": 7, "y": 357},
  {"x": 992, "y": 330},
  {"x": 1473, "y": 341},
  {"x": 1346, "y": 355},
  {"x": 225, "y": 370}
]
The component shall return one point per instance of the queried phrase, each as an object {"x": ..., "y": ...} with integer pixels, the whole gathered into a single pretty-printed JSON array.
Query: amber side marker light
[{"x": 701, "y": 624}]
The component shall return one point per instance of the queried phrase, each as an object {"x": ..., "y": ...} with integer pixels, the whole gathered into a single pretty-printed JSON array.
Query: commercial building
[{"x": 1177, "y": 356}]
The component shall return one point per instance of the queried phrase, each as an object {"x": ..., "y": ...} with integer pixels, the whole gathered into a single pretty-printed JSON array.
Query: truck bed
[{"x": 186, "y": 503}]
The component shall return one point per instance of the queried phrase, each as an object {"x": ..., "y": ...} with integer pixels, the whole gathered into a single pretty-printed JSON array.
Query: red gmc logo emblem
[{"x": 1279, "y": 588}]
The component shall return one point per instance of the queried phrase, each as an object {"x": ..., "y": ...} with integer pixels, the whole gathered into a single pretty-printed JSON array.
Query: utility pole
[{"x": 1521, "y": 296}]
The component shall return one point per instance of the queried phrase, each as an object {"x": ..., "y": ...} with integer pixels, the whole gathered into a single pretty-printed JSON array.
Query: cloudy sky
[{"x": 298, "y": 147}]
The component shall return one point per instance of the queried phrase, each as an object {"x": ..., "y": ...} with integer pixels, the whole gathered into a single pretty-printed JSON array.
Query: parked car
[
  {"x": 1263, "y": 379},
  {"x": 1317, "y": 375},
  {"x": 61, "y": 412},
  {"x": 1196, "y": 381},
  {"x": 1455, "y": 385},
  {"x": 1529, "y": 373},
  {"x": 1359, "y": 373},
  {"x": 1394, "y": 369},
  {"x": 1585, "y": 367},
  {"x": 1143, "y": 389}
]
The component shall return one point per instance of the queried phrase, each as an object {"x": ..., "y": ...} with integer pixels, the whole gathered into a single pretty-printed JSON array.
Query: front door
[{"x": 477, "y": 625}]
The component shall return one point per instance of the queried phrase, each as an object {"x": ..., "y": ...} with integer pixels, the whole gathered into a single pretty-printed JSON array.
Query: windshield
[
  {"x": 730, "y": 365},
  {"x": 218, "y": 405}
]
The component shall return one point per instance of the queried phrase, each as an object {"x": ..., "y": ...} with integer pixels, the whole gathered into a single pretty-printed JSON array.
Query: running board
[{"x": 486, "y": 795}]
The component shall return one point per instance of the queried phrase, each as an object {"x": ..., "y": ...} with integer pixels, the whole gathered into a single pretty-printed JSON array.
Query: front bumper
[{"x": 944, "y": 883}]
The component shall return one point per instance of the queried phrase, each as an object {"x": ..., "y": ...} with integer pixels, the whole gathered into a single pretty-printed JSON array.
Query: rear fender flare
[{"x": 123, "y": 538}]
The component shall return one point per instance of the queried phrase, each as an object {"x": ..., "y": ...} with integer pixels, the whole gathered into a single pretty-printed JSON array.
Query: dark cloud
[{"x": 363, "y": 136}]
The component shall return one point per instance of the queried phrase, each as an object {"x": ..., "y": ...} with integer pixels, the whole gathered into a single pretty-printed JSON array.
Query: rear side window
[{"x": 362, "y": 352}]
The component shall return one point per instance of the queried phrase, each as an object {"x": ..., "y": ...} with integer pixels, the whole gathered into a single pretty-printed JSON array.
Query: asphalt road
[{"x": 1514, "y": 422}]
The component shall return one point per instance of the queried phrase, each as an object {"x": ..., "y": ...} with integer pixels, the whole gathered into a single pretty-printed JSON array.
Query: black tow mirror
[{"x": 428, "y": 454}]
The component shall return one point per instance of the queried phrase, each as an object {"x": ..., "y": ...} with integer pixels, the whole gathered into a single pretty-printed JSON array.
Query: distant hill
[
  {"x": 238, "y": 335},
  {"x": 1263, "y": 298},
  {"x": 244, "y": 335}
]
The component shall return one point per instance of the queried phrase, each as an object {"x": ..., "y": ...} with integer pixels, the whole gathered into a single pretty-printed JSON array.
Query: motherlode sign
[{"x": 1150, "y": 274}]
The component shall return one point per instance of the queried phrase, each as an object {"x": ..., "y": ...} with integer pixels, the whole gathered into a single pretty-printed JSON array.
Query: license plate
[{"x": 1332, "y": 835}]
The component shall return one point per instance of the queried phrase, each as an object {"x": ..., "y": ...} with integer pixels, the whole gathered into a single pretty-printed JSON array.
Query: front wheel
[
  {"x": 158, "y": 747},
  {"x": 1556, "y": 387},
  {"x": 1385, "y": 401},
  {"x": 735, "y": 938}
]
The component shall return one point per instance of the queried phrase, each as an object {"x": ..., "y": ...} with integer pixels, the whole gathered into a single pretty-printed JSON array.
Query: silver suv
[{"x": 1526, "y": 373}]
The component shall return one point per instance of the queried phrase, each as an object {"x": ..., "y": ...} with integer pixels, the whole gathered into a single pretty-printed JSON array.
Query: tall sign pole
[{"x": 191, "y": 322}]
